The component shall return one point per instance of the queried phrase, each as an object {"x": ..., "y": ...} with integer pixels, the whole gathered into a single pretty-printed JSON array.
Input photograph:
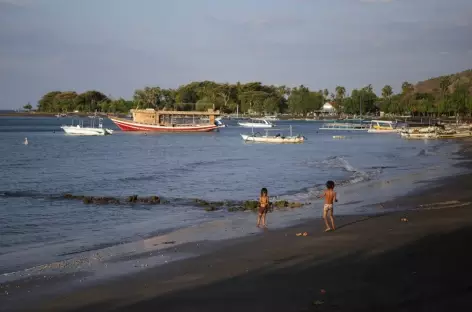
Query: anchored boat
[
  {"x": 168, "y": 121},
  {"x": 382, "y": 126},
  {"x": 437, "y": 132},
  {"x": 278, "y": 138},
  {"x": 256, "y": 123},
  {"x": 79, "y": 129},
  {"x": 344, "y": 126}
]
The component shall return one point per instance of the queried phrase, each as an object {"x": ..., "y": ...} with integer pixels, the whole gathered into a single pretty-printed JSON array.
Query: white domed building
[{"x": 328, "y": 108}]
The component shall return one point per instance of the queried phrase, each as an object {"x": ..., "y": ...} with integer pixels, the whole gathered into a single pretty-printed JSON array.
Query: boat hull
[
  {"x": 269, "y": 139},
  {"x": 70, "y": 130},
  {"x": 382, "y": 131},
  {"x": 128, "y": 125},
  {"x": 337, "y": 126},
  {"x": 254, "y": 125}
]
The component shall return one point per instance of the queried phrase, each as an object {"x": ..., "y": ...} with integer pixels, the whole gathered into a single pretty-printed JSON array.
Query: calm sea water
[{"x": 36, "y": 229}]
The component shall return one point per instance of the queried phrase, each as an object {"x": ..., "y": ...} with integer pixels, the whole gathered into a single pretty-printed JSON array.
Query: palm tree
[
  {"x": 368, "y": 88},
  {"x": 387, "y": 92},
  {"x": 340, "y": 92}
]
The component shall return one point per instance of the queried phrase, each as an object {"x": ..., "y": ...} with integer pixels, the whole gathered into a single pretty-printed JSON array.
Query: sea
[{"x": 40, "y": 229}]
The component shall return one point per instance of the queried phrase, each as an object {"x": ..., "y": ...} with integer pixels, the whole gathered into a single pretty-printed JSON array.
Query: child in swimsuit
[
  {"x": 330, "y": 197},
  {"x": 263, "y": 207}
]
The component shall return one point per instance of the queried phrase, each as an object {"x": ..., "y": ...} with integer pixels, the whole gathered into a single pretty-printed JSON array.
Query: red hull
[{"x": 128, "y": 125}]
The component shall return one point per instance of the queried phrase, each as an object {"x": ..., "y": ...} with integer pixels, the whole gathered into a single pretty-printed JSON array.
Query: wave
[{"x": 335, "y": 162}]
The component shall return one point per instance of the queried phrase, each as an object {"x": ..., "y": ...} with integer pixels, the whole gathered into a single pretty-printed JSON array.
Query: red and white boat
[{"x": 168, "y": 121}]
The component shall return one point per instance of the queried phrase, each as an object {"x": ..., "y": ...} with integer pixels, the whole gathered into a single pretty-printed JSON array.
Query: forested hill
[{"x": 443, "y": 95}]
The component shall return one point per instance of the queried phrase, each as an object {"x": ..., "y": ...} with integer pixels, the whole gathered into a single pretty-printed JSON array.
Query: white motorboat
[
  {"x": 278, "y": 138},
  {"x": 382, "y": 126},
  {"x": 256, "y": 123},
  {"x": 79, "y": 129}
]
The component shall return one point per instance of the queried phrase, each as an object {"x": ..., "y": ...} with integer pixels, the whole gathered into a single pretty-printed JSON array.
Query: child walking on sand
[
  {"x": 330, "y": 197},
  {"x": 263, "y": 207}
]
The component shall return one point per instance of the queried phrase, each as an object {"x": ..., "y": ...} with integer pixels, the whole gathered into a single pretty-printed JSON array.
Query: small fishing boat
[
  {"x": 79, "y": 129},
  {"x": 256, "y": 123},
  {"x": 382, "y": 126},
  {"x": 278, "y": 138},
  {"x": 436, "y": 132}
]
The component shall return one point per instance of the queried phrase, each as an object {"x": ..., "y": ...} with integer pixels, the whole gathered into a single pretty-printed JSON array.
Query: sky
[{"x": 117, "y": 46}]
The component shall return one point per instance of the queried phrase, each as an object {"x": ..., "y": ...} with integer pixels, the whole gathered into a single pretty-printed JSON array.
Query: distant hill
[{"x": 432, "y": 85}]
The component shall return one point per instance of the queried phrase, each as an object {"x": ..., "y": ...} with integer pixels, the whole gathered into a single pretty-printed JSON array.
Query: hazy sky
[{"x": 116, "y": 46}]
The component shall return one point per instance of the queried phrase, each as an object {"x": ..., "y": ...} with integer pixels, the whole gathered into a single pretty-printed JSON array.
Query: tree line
[{"x": 453, "y": 96}]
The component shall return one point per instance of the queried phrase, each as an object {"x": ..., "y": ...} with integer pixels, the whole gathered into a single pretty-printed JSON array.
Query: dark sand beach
[{"x": 370, "y": 263}]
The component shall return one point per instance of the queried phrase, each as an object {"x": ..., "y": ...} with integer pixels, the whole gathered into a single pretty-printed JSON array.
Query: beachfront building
[{"x": 328, "y": 108}]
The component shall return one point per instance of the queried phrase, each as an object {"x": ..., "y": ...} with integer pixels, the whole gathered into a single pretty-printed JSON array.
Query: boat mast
[{"x": 360, "y": 108}]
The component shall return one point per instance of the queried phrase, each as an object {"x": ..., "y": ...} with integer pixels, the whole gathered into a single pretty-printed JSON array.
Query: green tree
[
  {"x": 387, "y": 92},
  {"x": 149, "y": 97},
  {"x": 28, "y": 107},
  {"x": 271, "y": 105},
  {"x": 339, "y": 97},
  {"x": 303, "y": 101},
  {"x": 407, "y": 87},
  {"x": 89, "y": 101},
  {"x": 64, "y": 101},
  {"x": 46, "y": 103}
]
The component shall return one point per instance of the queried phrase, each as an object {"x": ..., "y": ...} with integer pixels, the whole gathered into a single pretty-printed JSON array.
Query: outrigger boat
[
  {"x": 168, "y": 121},
  {"x": 345, "y": 126},
  {"x": 79, "y": 129},
  {"x": 437, "y": 132},
  {"x": 278, "y": 138}
]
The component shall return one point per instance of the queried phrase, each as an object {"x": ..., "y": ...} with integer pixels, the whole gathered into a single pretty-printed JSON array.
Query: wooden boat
[
  {"x": 436, "y": 132},
  {"x": 168, "y": 121},
  {"x": 278, "y": 138}
]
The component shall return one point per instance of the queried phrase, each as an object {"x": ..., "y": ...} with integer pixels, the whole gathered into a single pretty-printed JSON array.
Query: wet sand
[{"x": 376, "y": 263}]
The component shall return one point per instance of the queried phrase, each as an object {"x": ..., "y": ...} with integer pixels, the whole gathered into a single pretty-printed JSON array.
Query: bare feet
[{"x": 327, "y": 230}]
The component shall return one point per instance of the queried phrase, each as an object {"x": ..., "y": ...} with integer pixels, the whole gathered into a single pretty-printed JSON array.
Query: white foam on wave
[{"x": 334, "y": 162}]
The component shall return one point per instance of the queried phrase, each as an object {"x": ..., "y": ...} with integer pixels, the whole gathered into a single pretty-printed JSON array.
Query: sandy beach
[{"x": 370, "y": 263}]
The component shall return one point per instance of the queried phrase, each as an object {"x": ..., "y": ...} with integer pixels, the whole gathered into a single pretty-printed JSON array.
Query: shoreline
[
  {"x": 445, "y": 207},
  {"x": 224, "y": 225}
]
